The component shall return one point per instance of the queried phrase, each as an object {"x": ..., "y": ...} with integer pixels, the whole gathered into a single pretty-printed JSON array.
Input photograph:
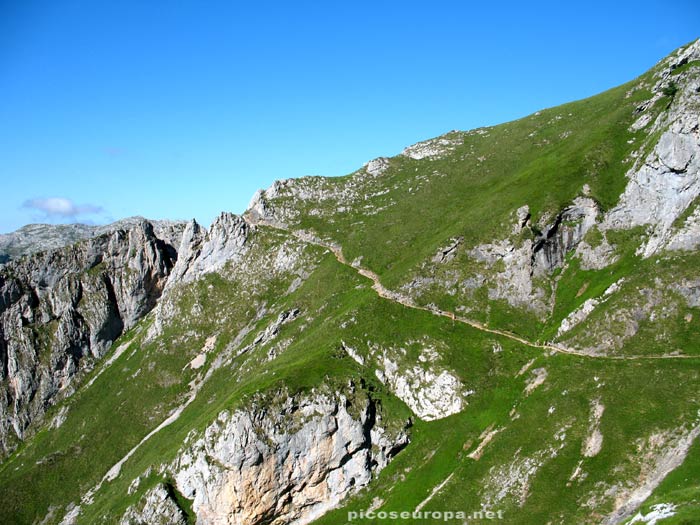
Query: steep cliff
[
  {"x": 285, "y": 459},
  {"x": 62, "y": 309}
]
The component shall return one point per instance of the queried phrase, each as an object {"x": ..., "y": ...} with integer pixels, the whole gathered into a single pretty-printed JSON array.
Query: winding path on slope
[{"x": 406, "y": 301}]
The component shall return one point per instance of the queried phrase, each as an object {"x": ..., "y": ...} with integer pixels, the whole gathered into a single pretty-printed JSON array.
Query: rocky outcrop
[
  {"x": 690, "y": 290},
  {"x": 157, "y": 507},
  {"x": 596, "y": 257},
  {"x": 204, "y": 251},
  {"x": 430, "y": 394},
  {"x": 513, "y": 282},
  {"x": 448, "y": 252},
  {"x": 35, "y": 238},
  {"x": 517, "y": 262},
  {"x": 281, "y": 460},
  {"x": 663, "y": 183},
  {"x": 376, "y": 167},
  {"x": 594, "y": 441},
  {"x": 660, "y": 454},
  {"x": 434, "y": 148},
  {"x": 567, "y": 231},
  {"x": 201, "y": 252},
  {"x": 582, "y": 312},
  {"x": 260, "y": 208},
  {"x": 688, "y": 235},
  {"x": 61, "y": 310},
  {"x": 429, "y": 388},
  {"x": 282, "y": 203}
]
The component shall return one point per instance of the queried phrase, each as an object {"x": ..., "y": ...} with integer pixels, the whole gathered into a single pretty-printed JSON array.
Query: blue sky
[{"x": 180, "y": 109}]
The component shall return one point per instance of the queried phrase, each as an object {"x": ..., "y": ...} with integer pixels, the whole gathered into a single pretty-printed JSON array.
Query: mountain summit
[{"x": 502, "y": 322}]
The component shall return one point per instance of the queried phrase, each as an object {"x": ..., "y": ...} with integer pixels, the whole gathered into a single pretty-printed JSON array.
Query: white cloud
[{"x": 61, "y": 207}]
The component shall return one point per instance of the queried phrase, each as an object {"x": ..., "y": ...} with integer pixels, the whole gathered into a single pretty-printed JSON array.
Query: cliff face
[
  {"x": 665, "y": 181},
  {"x": 285, "y": 461},
  {"x": 61, "y": 310},
  {"x": 35, "y": 238}
]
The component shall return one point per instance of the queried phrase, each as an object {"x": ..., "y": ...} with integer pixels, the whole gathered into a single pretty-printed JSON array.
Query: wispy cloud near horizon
[{"x": 61, "y": 208}]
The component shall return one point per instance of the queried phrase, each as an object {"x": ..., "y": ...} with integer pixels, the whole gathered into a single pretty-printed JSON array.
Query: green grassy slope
[
  {"x": 636, "y": 394},
  {"x": 396, "y": 221},
  {"x": 534, "y": 468}
]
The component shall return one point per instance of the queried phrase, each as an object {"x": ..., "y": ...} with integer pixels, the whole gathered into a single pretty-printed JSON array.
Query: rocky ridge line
[{"x": 60, "y": 311}]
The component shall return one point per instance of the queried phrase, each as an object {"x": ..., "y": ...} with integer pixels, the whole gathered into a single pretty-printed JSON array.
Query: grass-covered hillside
[{"x": 503, "y": 319}]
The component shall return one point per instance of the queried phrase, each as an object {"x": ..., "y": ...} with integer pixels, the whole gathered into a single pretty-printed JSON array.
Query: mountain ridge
[
  {"x": 311, "y": 358},
  {"x": 33, "y": 238}
]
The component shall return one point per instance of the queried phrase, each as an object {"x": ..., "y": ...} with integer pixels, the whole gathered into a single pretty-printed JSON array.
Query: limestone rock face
[
  {"x": 565, "y": 234},
  {"x": 202, "y": 252},
  {"x": 433, "y": 148},
  {"x": 376, "y": 167},
  {"x": 288, "y": 464},
  {"x": 522, "y": 260},
  {"x": 260, "y": 207},
  {"x": 190, "y": 249},
  {"x": 431, "y": 392},
  {"x": 514, "y": 282},
  {"x": 429, "y": 395},
  {"x": 35, "y": 238},
  {"x": 157, "y": 508},
  {"x": 207, "y": 251},
  {"x": 688, "y": 236},
  {"x": 667, "y": 180},
  {"x": 61, "y": 310}
]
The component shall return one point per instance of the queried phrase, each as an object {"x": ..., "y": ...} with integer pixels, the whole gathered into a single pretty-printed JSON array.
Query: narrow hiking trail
[{"x": 396, "y": 297}]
